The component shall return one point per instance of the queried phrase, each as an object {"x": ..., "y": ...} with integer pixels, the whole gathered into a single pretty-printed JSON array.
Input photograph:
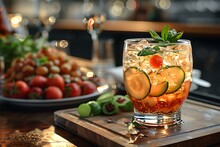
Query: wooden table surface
[
  {"x": 200, "y": 127},
  {"x": 16, "y": 119}
]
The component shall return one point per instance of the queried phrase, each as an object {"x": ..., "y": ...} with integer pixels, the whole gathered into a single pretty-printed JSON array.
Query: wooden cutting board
[{"x": 201, "y": 127}]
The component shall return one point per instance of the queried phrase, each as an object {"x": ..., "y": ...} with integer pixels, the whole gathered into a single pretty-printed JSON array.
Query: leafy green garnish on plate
[
  {"x": 12, "y": 47},
  {"x": 167, "y": 35},
  {"x": 40, "y": 61}
]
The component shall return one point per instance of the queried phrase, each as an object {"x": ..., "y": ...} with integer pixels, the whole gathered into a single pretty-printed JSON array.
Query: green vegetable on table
[
  {"x": 107, "y": 104},
  {"x": 95, "y": 108},
  {"x": 84, "y": 110}
]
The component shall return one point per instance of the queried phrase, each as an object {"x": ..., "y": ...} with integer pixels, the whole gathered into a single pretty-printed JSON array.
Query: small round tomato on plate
[
  {"x": 53, "y": 92},
  {"x": 88, "y": 87},
  {"x": 72, "y": 90},
  {"x": 19, "y": 90},
  {"x": 35, "y": 93},
  {"x": 56, "y": 80},
  {"x": 38, "y": 81}
]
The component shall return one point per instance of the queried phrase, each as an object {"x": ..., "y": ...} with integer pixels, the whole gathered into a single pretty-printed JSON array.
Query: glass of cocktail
[{"x": 157, "y": 78}]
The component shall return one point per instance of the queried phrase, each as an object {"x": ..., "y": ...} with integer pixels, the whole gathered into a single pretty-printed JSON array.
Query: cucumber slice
[
  {"x": 137, "y": 83},
  {"x": 120, "y": 99},
  {"x": 158, "y": 90},
  {"x": 95, "y": 108},
  {"x": 105, "y": 97},
  {"x": 128, "y": 106},
  {"x": 175, "y": 76},
  {"x": 84, "y": 110},
  {"x": 110, "y": 108},
  {"x": 123, "y": 102}
]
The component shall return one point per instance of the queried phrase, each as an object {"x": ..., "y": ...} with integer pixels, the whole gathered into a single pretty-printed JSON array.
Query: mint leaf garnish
[
  {"x": 165, "y": 32},
  {"x": 167, "y": 35},
  {"x": 155, "y": 36},
  {"x": 149, "y": 51},
  {"x": 175, "y": 37}
]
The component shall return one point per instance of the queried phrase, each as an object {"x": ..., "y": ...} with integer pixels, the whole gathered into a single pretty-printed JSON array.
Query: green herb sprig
[
  {"x": 149, "y": 51},
  {"x": 167, "y": 35},
  {"x": 40, "y": 61},
  {"x": 12, "y": 47}
]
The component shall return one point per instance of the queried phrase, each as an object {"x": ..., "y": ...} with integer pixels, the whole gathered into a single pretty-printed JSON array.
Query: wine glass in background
[
  {"x": 94, "y": 24},
  {"x": 94, "y": 21},
  {"x": 48, "y": 13}
]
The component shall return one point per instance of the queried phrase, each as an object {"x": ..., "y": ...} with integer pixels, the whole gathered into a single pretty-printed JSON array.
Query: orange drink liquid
[{"x": 157, "y": 79}]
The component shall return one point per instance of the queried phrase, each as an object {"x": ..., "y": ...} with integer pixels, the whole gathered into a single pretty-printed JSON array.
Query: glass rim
[{"x": 136, "y": 40}]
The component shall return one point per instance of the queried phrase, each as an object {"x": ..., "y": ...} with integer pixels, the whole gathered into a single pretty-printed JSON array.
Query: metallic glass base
[{"x": 157, "y": 120}]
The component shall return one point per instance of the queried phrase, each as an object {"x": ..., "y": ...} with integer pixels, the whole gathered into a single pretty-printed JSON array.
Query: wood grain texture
[
  {"x": 201, "y": 127},
  {"x": 20, "y": 119}
]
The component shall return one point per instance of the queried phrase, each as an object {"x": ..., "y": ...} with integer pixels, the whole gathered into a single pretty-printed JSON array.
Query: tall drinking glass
[{"x": 157, "y": 79}]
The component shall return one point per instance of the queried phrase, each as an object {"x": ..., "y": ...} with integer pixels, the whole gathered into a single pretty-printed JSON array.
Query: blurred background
[
  {"x": 185, "y": 11},
  {"x": 122, "y": 19}
]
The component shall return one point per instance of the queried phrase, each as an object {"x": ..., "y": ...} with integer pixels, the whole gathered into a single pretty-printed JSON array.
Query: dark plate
[{"x": 56, "y": 102}]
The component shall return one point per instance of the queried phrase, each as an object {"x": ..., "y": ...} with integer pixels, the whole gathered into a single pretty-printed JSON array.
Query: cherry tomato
[
  {"x": 46, "y": 51},
  {"x": 88, "y": 87},
  {"x": 53, "y": 92},
  {"x": 54, "y": 69},
  {"x": 66, "y": 68},
  {"x": 77, "y": 80},
  {"x": 72, "y": 89},
  {"x": 74, "y": 66},
  {"x": 28, "y": 70},
  {"x": 19, "y": 76},
  {"x": 29, "y": 61},
  {"x": 97, "y": 80},
  {"x": 7, "y": 88},
  {"x": 35, "y": 93},
  {"x": 38, "y": 81},
  {"x": 56, "y": 62},
  {"x": 156, "y": 61},
  {"x": 42, "y": 70},
  {"x": 56, "y": 80},
  {"x": 49, "y": 64},
  {"x": 18, "y": 65},
  {"x": 20, "y": 90},
  {"x": 76, "y": 73}
]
